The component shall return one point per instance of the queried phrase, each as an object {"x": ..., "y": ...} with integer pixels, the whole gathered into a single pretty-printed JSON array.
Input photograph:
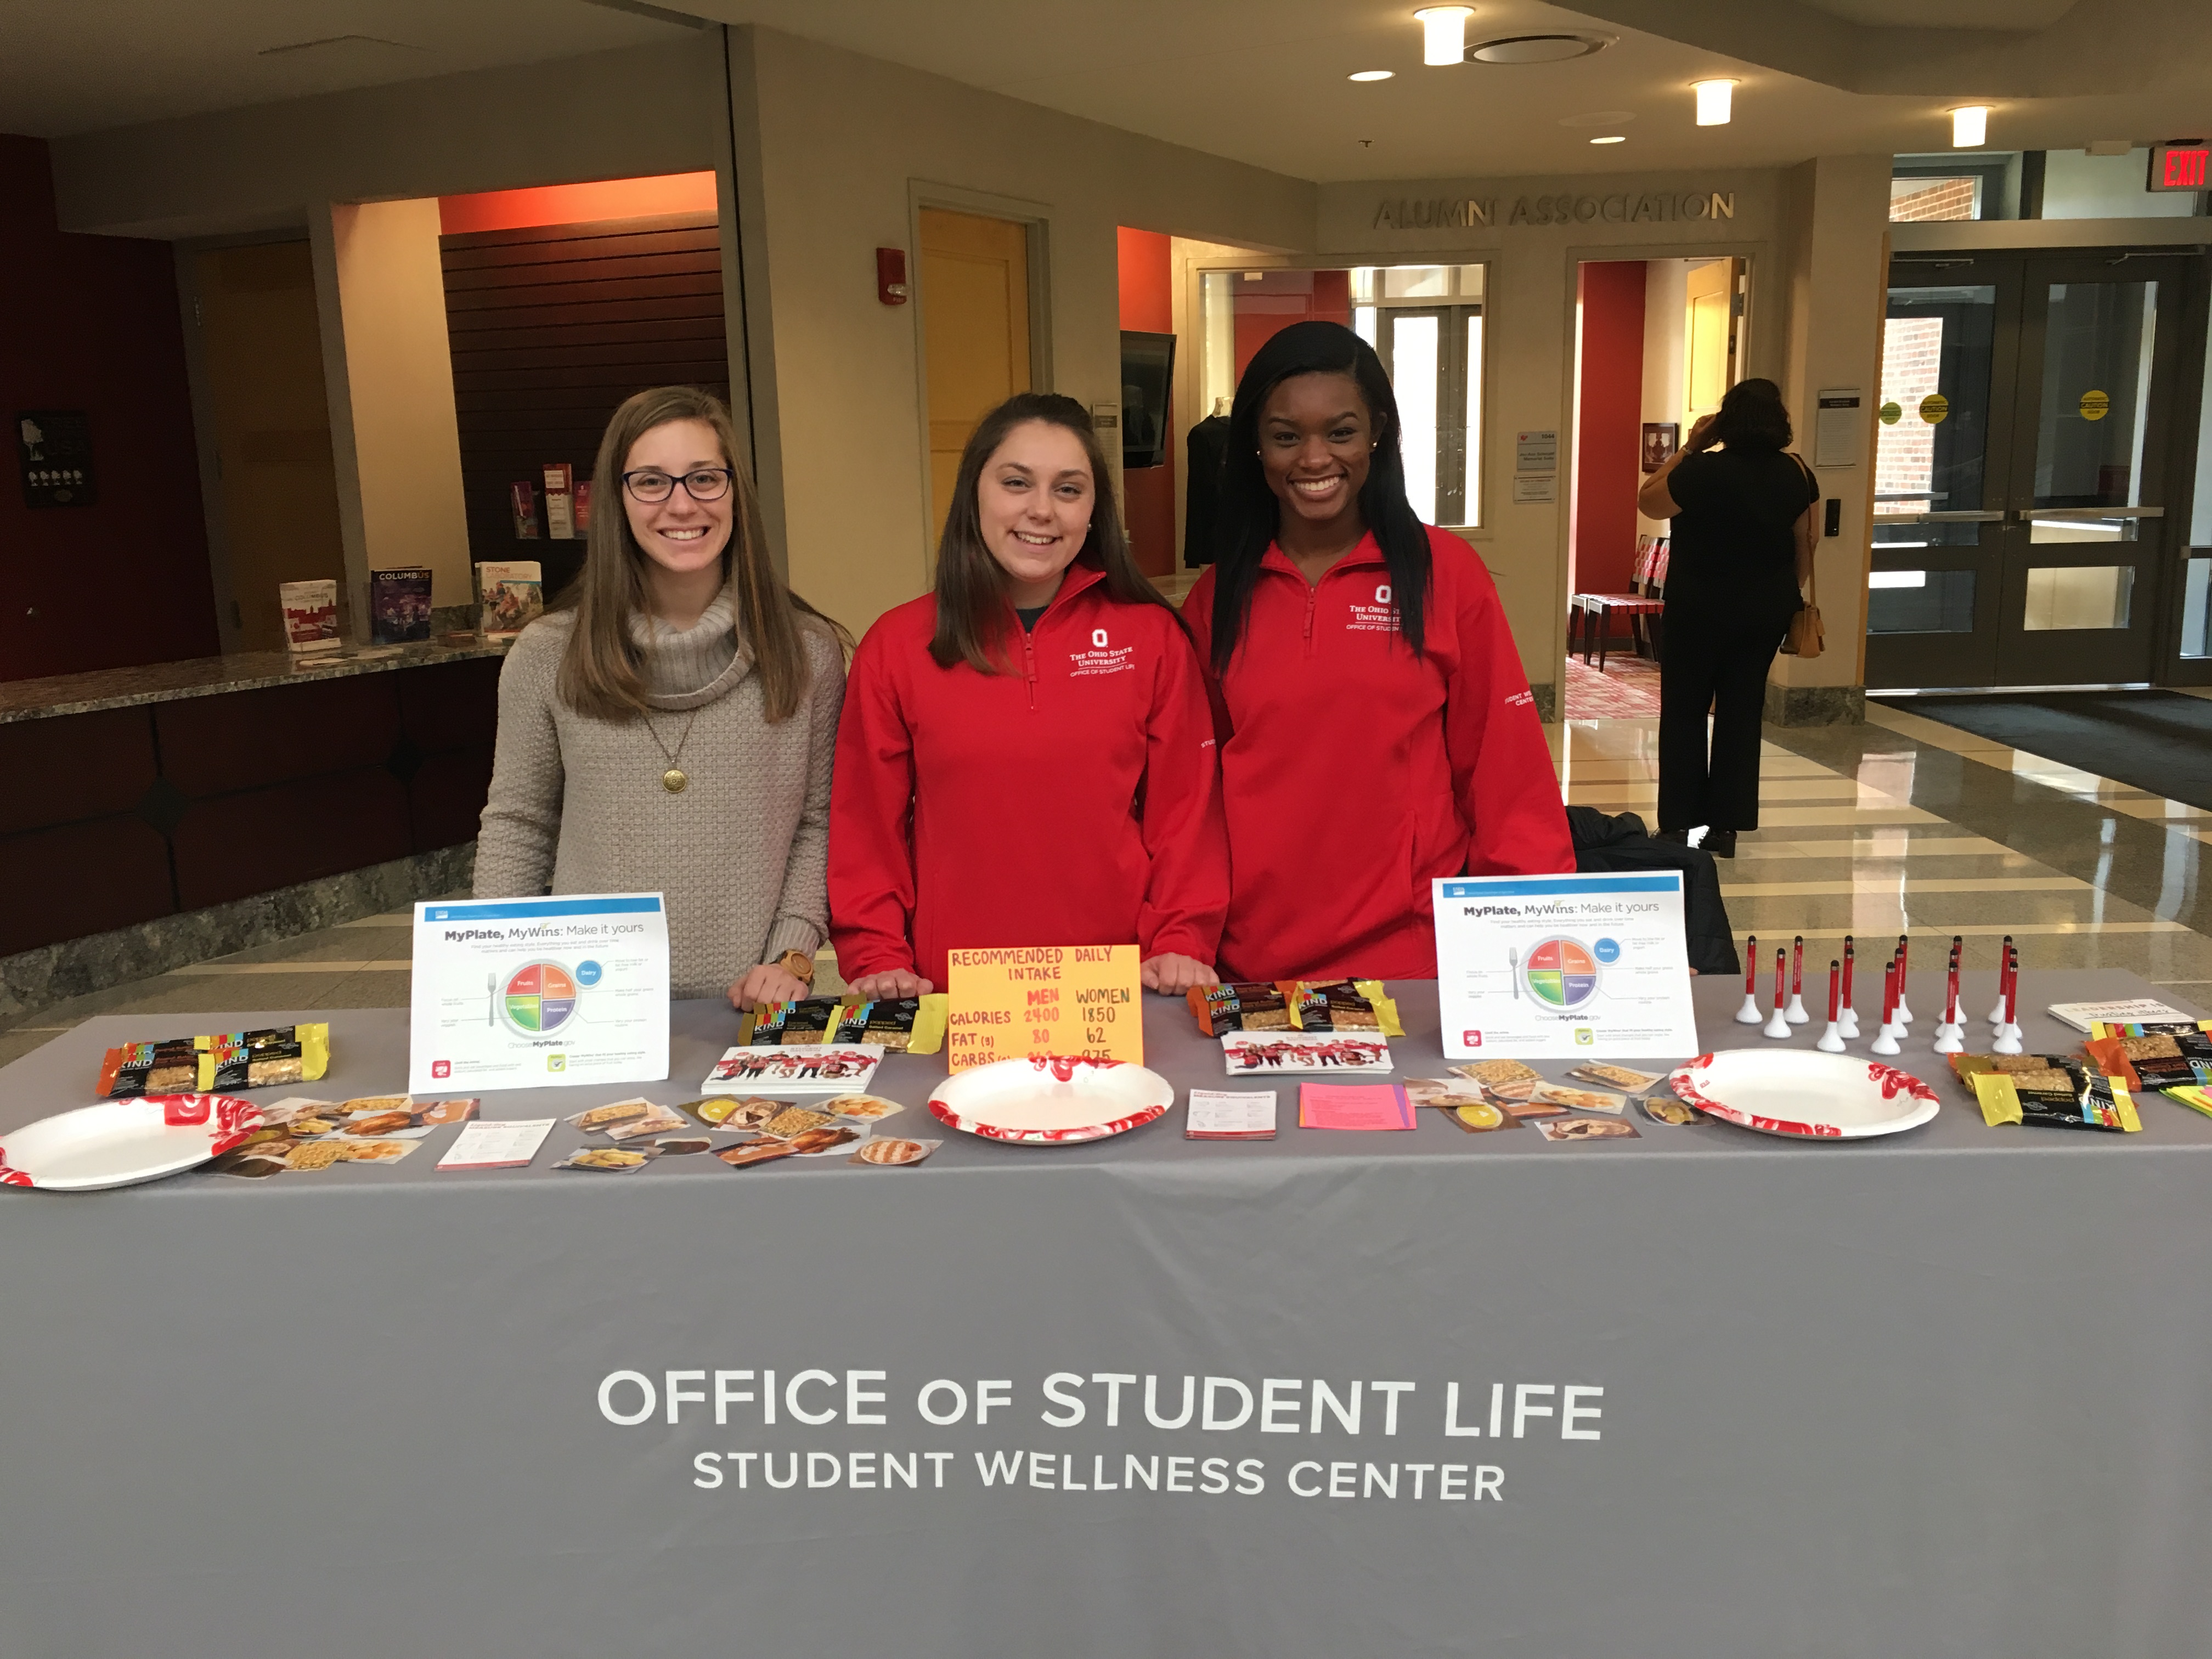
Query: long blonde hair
[{"x": 601, "y": 669}]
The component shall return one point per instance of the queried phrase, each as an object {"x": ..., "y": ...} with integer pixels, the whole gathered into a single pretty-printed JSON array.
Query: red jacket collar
[
  {"x": 1081, "y": 576},
  {"x": 1367, "y": 552}
]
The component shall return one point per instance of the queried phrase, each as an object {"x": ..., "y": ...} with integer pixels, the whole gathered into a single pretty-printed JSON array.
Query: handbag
[{"x": 1804, "y": 637}]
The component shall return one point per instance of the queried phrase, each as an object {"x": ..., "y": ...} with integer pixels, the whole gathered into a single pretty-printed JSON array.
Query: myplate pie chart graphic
[
  {"x": 1560, "y": 973},
  {"x": 540, "y": 997}
]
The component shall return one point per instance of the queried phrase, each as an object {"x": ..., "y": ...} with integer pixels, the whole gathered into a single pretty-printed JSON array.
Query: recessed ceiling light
[
  {"x": 1614, "y": 140},
  {"x": 1598, "y": 118},
  {"x": 1368, "y": 75},
  {"x": 1970, "y": 126},
  {"x": 1715, "y": 101},
  {"x": 1538, "y": 48},
  {"x": 1443, "y": 33}
]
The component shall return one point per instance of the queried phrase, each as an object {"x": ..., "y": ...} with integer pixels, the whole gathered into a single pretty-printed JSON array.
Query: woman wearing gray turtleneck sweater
[{"x": 669, "y": 729}]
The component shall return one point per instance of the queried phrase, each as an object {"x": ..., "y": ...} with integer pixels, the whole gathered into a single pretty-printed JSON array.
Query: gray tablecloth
[{"x": 1945, "y": 1395}]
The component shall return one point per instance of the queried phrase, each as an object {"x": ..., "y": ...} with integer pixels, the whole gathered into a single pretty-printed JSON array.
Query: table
[{"x": 1940, "y": 1395}]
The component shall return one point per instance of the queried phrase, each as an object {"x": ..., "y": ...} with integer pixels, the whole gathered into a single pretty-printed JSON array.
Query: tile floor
[{"x": 1899, "y": 823}]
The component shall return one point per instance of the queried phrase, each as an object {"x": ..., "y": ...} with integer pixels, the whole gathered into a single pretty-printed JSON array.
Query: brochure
[
  {"x": 536, "y": 993},
  {"x": 1230, "y": 1114},
  {"x": 522, "y": 505},
  {"x": 1353, "y": 1106},
  {"x": 514, "y": 596},
  {"x": 1248, "y": 1052},
  {"x": 828, "y": 1068},
  {"x": 1563, "y": 967},
  {"x": 508, "y": 1146},
  {"x": 399, "y": 606},
  {"x": 2133, "y": 1011},
  {"x": 311, "y": 615}
]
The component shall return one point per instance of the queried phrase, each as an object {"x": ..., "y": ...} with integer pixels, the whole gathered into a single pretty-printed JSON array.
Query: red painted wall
[
  {"x": 92, "y": 323},
  {"x": 1267, "y": 307},
  {"x": 1148, "y": 304},
  {"x": 577, "y": 204},
  {"x": 1609, "y": 421}
]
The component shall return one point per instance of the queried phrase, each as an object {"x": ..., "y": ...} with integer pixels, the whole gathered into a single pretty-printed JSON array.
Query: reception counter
[{"x": 131, "y": 795}]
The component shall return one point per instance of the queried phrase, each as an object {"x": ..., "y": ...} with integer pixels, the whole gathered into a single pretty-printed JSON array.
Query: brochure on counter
[
  {"x": 1563, "y": 967},
  {"x": 535, "y": 993}
]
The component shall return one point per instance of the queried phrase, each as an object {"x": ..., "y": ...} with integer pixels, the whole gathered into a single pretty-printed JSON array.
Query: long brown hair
[
  {"x": 974, "y": 608},
  {"x": 600, "y": 671}
]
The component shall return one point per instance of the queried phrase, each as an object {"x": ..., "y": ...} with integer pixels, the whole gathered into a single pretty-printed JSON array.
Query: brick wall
[
  {"x": 1904, "y": 456},
  {"x": 1931, "y": 198}
]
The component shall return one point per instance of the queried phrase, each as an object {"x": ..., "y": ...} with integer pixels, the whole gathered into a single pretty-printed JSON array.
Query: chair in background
[{"x": 1590, "y": 615}]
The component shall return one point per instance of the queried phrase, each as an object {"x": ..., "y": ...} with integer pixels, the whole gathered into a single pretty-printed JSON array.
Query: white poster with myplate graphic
[
  {"x": 1563, "y": 967},
  {"x": 536, "y": 992}
]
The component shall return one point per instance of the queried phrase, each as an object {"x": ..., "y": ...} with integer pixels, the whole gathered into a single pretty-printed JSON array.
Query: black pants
[{"x": 1713, "y": 660}]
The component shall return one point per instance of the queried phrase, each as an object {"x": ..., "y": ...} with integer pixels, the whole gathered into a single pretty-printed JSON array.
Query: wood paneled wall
[{"x": 552, "y": 326}]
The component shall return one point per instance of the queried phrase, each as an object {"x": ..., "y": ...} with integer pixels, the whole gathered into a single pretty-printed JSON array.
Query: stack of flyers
[
  {"x": 1333, "y": 1052},
  {"x": 512, "y": 596},
  {"x": 508, "y": 1146},
  {"x": 842, "y": 1068},
  {"x": 1223, "y": 1114},
  {"x": 311, "y": 615},
  {"x": 2082, "y": 1015}
]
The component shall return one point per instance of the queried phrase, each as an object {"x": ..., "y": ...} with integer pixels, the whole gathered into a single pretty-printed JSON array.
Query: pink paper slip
[{"x": 1353, "y": 1106}]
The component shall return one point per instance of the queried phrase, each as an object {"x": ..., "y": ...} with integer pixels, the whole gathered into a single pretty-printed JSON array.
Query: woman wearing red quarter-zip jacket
[
  {"x": 1377, "y": 729},
  {"x": 1026, "y": 756}
]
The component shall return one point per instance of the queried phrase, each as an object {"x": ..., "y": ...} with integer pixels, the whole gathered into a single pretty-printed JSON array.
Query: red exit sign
[{"x": 2180, "y": 165}]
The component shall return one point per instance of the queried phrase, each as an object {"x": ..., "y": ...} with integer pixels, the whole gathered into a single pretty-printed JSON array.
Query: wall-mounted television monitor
[{"x": 1147, "y": 397}]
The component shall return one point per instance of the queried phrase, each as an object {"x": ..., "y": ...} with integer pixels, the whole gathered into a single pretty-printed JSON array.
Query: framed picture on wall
[{"x": 1660, "y": 439}]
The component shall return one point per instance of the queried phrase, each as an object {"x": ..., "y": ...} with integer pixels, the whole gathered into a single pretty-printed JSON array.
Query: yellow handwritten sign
[{"x": 1044, "y": 999}]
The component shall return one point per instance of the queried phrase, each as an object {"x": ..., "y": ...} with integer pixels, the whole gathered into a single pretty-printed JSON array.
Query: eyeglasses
[{"x": 650, "y": 484}]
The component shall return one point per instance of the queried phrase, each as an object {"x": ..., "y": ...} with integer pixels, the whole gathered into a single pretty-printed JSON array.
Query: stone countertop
[{"x": 204, "y": 676}]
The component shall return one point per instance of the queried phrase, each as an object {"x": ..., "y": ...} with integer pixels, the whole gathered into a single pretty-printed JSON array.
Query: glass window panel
[
  {"x": 1363, "y": 285},
  {"x": 1362, "y": 322},
  {"x": 1414, "y": 344},
  {"x": 1936, "y": 198},
  {"x": 1217, "y": 308},
  {"x": 2078, "y": 596},
  {"x": 1417, "y": 283},
  {"x": 2082, "y": 530},
  {"x": 2196, "y": 612},
  {"x": 1470, "y": 282},
  {"x": 1920, "y": 602},
  {"x": 1934, "y": 417},
  {"x": 1471, "y": 448},
  {"x": 2096, "y": 383}
]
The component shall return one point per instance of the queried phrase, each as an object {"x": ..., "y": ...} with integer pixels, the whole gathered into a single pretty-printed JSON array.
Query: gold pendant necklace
[{"x": 675, "y": 780}]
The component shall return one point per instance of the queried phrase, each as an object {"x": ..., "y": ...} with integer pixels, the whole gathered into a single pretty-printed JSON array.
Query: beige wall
[
  {"x": 390, "y": 374},
  {"x": 1838, "y": 279},
  {"x": 640, "y": 110},
  {"x": 842, "y": 151},
  {"x": 1530, "y": 311}
]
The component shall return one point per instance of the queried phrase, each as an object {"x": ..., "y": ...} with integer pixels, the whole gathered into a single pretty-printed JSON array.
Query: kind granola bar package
[
  {"x": 2153, "y": 1056},
  {"x": 1343, "y": 1004},
  {"x": 254, "y": 1060},
  {"x": 2048, "y": 1091},
  {"x": 776, "y": 1024},
  {"x": 1220, "y": 1008},
  {"x": 167, "y": 1067},
  {"x": 912, "y": 1025}
]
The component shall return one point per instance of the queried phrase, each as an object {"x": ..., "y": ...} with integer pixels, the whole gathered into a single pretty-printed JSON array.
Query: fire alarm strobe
[{"x": 890, "y": 276}]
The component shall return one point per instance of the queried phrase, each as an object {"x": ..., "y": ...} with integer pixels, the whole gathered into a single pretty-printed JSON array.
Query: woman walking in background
[
  {"x": 669, "y": 726},
  {"x": 1744, "y": 529},
  {"x": 1377, "y": 730}
]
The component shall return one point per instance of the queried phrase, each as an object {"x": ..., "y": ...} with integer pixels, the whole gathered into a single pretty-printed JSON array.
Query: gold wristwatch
[{"x": 798, "y": 965}]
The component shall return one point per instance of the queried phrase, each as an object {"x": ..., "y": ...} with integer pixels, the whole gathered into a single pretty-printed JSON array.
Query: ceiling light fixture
[
  {"x": 1970, "y": 126},
  {"x": 1538, "y": 48},
  {"x": 1715, "y": 101},
  {"x": 1616, "y": 139},
  {"x": 1368, "y": 75},
  {"x": 1443, "y": 33}
]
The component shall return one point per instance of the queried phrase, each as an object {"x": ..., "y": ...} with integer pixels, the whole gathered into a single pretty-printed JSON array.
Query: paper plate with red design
[
  {"x": 120, "y": 1143},
  {"x": 1051, "y": 1099},
  {"x": 1797, "y": 1091}
]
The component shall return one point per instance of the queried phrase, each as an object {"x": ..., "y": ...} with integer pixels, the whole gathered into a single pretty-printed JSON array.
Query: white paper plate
[
  {"x": 119, "y": 1143},
  {"x": 1051, "y": 1100},
  {"x": 1797, "y": 1091}
]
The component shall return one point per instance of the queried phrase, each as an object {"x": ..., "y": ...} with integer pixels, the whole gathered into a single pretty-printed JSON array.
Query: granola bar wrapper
[
  {"x": 2047, "y": 1092},
  {"x": 912, "y": 1025},
  {"x": 1343, "y": 1004},
  {"x": 217, "y": 1063},
  {"x": 1240, "y": 1007},
  {"x": 2170, "y": 1055}
]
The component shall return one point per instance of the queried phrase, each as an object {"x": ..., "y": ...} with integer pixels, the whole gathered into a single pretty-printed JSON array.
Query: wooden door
[
  {"x": 263, "y": 356},
  {"x": 975, "y": 333},
  {"x": 1708, "y": 339}
]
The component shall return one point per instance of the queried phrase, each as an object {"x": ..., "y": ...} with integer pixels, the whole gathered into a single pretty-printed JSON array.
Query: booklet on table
[{"x": 1230, "y": 1114}]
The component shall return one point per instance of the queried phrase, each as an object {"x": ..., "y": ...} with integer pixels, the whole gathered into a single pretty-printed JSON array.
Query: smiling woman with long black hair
[{"x": 1377, "y": 729}]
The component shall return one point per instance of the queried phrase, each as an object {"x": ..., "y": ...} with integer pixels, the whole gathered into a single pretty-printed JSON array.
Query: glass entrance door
[
  {"x": 1434, "y": 357},
  {"x": 2020, "y": 471}
]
